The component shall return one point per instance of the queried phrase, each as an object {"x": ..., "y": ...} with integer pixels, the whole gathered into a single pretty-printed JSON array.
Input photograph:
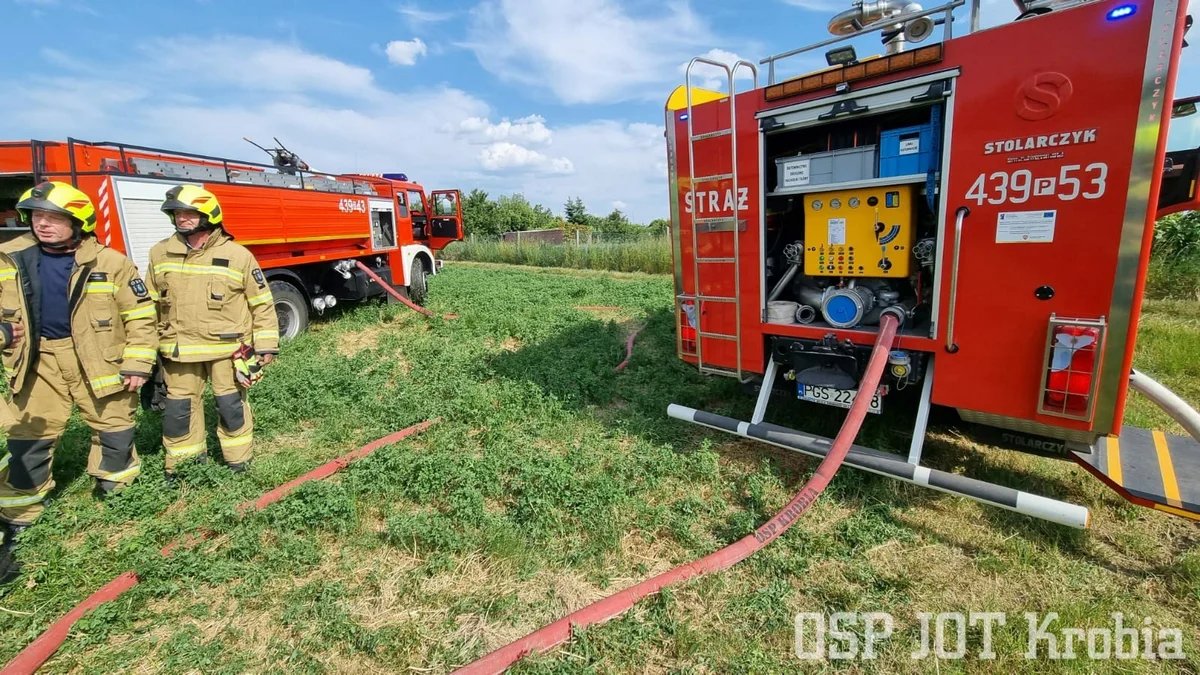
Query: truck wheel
[
  {"x": 417, "y": 289},
  {"x": 291, "y": 308}
]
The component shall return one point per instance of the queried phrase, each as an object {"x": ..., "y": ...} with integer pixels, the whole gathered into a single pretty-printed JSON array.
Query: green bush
[
  {"x": 1175, "y": 259},
  {"x": 651, "y": 255}
]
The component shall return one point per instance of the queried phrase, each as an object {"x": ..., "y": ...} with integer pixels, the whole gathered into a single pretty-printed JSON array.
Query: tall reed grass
[{"x": 650, "y": 255}]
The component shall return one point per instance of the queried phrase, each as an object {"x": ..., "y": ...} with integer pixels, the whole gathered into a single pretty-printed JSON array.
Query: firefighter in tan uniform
[
  {"x": 214, "y": 302},
  {"x": 79, "y": 325}
]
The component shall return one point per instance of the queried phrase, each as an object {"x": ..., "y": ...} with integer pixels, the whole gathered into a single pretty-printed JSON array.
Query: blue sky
[{"x": 551, "y": 98}]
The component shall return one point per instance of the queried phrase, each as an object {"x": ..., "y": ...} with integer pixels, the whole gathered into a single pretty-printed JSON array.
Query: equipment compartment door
[
  {"x": 1054, "y": 156},
  {"x": 383, "y": 225},
  {"x": 446, "y": 224}
]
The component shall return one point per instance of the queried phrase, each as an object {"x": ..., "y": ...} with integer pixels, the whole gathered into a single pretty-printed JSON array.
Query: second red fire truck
[{"x": 306, "y": 228}]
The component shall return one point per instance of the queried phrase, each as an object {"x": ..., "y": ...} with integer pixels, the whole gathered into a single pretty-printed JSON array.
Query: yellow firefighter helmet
[
  {"x": 61, "y": 198},
  {"x": 193, "y": 198}
]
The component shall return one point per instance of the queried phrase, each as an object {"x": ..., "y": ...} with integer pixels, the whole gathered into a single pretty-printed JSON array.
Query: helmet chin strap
[{"x": 204, "y": 226}]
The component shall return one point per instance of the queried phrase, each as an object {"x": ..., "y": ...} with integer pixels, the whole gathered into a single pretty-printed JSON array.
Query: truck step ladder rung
[
  {"x": 716, "y": 260},
  {"x": 717, "y": 298},
  {"x": 715, "y": 176},
  {"x": 712, "y": 134},
  {"x": 716, "y": 219}
]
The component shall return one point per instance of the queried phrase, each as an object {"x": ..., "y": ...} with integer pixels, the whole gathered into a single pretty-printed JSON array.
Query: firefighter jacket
[
  {"x": 112, "y": 314},
  {"x": 211, "y": 300}
]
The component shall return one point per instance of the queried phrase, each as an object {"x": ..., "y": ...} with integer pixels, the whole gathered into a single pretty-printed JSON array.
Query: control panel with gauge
[{"x": 865, "y": 232}]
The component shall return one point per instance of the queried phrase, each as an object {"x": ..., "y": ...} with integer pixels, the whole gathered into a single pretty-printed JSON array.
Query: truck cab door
[
  {"x": 1181, "y": 168},
  {"x": 445, "y": 225}
]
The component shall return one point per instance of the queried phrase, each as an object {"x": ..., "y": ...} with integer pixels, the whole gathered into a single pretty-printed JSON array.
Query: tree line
[{"x": 487, "y": 217}]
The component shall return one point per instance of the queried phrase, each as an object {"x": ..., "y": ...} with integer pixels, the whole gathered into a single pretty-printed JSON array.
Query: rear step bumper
[
  {"x": 894, "y": 466},
  {"x": 1149, "y": 468}
]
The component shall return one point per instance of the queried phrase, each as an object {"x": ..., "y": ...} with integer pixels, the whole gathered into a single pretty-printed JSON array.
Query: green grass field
[
  {"x": 551, "y": 482},
  {"x": 649, "y": 255}
]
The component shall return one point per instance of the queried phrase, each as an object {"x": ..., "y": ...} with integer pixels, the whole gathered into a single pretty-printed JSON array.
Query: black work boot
[
  {"x": 105, "y": 488},
  {"x": 10, "y": 568},
  {"x": 239, "y": 467}
]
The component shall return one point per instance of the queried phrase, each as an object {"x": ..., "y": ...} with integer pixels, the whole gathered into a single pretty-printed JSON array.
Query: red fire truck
[
  {"x": 306, "y": 228},
  {"x": 995, "y": 192}
]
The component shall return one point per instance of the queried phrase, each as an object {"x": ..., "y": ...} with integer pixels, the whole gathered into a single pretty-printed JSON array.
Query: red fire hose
[
  {"x": 40, "y": 650},
  {"x": 600, "y": 611},
  {"x": 388, "y": 287},
  {"x": 628, "y": 350}
]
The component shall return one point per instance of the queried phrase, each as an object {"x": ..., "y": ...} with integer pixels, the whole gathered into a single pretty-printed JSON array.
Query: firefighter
[
  {"x": 216, "y": 321},
  {"x": 79, "y": 324}
]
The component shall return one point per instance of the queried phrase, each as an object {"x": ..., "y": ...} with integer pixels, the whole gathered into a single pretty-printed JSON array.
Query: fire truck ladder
[{"x": 719, "y": 223}]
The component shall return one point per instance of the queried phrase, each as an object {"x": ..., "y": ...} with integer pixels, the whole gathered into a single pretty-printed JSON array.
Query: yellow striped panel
[
  {"x": 1176, "y": 512},
  {"x": 266, "y": 335},
  {"x": 1114, "y": 460},
  {"x": 184, "y": 450},
  {"x": 23, "y": 500},
  {"x": 1170, "y": 482},
  {"x": 237, "y": 441},
  {"x": 261, "y": 299},
  {"x": 8, "y": 274},
  {"x": 127, "y": 473}
]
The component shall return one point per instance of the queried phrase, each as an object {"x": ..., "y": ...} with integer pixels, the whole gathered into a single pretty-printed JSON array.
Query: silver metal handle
[{"x": 959, "y": 217}]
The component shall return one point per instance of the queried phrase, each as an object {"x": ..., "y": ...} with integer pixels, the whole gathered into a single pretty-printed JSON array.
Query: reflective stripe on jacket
[
  {"x": 211, "y": 299},
  {"x": 112, "y": 314}
]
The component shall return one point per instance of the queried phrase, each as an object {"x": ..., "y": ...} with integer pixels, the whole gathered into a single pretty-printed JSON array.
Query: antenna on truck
[{"x": 285, "y": 160}]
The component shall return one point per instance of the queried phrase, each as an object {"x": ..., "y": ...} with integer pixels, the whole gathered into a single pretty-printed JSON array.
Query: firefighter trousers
[
  {"x": 183, "y": 419},
  {"x": 42, "y": 410}
]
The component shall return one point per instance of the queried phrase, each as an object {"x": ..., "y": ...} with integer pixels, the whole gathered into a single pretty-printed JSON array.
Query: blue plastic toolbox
[{"x": 907, "y": 151}]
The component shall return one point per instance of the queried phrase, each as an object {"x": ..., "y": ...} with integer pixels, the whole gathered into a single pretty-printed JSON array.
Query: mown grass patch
[{"x": 551, "y": 482}]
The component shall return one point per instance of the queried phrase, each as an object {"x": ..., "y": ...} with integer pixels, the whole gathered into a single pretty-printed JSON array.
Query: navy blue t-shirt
[{"x": 55, "y": 272}]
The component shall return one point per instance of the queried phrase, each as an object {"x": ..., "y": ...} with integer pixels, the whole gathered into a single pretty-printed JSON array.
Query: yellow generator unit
[{"x": 866, "y": 232}]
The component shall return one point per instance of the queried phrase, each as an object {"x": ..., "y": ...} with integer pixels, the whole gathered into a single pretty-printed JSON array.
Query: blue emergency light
[
  {"x": 395, "y": 176},
  {"x": 1121, "y": 12}
]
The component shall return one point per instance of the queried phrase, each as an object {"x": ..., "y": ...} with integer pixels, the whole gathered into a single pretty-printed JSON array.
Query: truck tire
[
  {"x": 417, "y": 288},
  {"x": 291, "y": 308}
]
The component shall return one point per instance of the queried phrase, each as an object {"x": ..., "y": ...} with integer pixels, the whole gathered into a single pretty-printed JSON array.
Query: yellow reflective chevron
[
  {"x": 266, "y": 335},
  {"x": 138, "y": 313},
  {"x": 101, "y": 382},
  {"x": 7, "y": 273},
  {"x": 185, "y": 450},
  {"x": 23, "y": 500},
  {"x": 102, "y": 287},
  {"x": 237, "y": 441},
  {"x": 138, "y": 353},
  {"x": 170, "y": 348},
  {"x": 120, "y": 476},
  {"x": 261, "y": 299},
  {"x": 4, "y": 461},
  {"x": 188, "y": 268}
]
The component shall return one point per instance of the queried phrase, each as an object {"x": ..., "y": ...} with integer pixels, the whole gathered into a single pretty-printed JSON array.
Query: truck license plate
[{"x": 842, "y": 398}]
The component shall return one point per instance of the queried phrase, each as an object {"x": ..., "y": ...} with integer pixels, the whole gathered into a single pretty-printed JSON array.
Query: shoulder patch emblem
[
  {"x": 139, "y": 288},
  {"x": 258, "y": 276}
]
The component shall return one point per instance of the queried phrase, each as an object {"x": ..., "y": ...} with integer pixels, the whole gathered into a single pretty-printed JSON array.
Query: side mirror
[{"x": 1183, "y": 109}]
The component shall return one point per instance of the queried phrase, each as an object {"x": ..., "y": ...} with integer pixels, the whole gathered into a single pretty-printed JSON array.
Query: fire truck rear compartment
[
  {"x": 11, "y": 189},
  {"x": 851, "y": 227}
]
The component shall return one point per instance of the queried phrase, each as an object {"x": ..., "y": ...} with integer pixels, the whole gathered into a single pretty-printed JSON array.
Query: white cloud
[
  {"x": 500, "y": 156},
  {"x": 619, "y": 205},
  {"x": 711, "y": 77},
  {"x": 417, "y": 16},
  {"x": 207, "y": 107},
  {"x": 405, "y": 52},
  {"x": 529, "y": 130},
  {"x": 250, "y": 63},
  {"x": 586, "y": 51}
]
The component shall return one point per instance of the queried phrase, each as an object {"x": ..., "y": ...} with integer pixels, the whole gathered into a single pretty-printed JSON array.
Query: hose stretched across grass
[
  {"x": 395, "y": 293},
  {"x": 600, "y": 611},
  {"x": 40, "y": 650}
]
